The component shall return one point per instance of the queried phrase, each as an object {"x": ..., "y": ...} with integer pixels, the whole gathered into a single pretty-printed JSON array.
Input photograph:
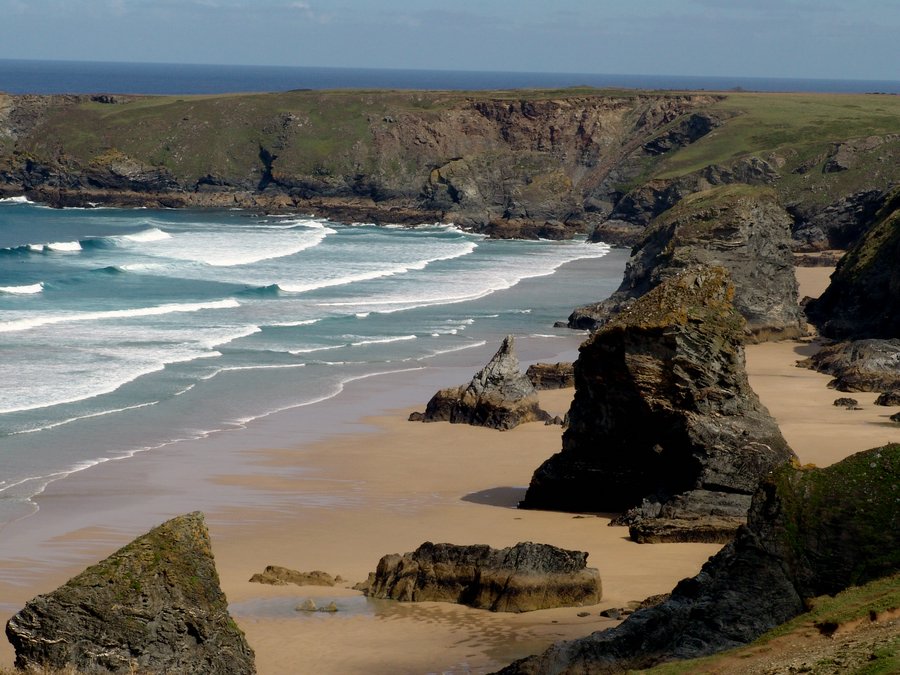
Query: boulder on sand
[{"x": 521, "y": 578}]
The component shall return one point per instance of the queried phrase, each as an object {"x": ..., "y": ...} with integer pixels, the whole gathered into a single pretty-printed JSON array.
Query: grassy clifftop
[{"x": 483, "y": 159}]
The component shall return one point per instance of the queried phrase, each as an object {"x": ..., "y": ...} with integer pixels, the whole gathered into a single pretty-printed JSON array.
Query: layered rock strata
[
  {"x": 809, "y": 533},
  {"x": 739, "y": 228},
  {"x": 521, "y": 578},
  {"x": 499, "y": 396},
  {"x": 154, "y": 606},
  {"x": 664, "y": 421},
  {"x": 551, "y": 375},
  {"x": 275, "y": 575}
]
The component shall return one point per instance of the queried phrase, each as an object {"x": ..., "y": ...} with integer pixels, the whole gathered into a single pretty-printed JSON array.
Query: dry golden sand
[{"x": 339, "y": 504}]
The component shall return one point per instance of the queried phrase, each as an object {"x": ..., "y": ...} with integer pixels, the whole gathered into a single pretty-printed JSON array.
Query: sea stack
[{"x": 664, "y": 421}]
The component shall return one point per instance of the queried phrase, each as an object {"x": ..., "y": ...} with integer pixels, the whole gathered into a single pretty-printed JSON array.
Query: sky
[{"x": 847, "y": 39}]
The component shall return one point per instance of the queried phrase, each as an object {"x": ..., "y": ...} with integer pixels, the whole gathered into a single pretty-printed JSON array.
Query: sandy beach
[{"x": 384, "y": 485}]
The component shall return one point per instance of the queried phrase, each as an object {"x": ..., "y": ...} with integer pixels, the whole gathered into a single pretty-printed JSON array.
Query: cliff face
[
  {"x": 155, "y": 606},
  {"x": 809, "y": 533},
  {"x": 863, "y": 299},
  {"x": 506, "y": 165},
  {"x": 740, "y": 228},
  {"x": 663, "y": 412}
]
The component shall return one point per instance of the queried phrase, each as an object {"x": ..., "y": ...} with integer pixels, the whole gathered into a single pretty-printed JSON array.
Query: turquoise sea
[{"x": 122, "y": 331}]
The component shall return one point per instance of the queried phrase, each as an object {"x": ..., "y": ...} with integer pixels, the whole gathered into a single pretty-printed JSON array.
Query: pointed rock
[
  {"x": 499, "y": 396},
  {"x": 154, "y": 606}
]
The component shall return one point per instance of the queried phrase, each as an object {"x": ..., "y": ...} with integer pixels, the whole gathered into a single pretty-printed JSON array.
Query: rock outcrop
[
  {"x": 862, "y": 300},
  {"x": 499, "y": 396},
  {"x": 521, "y": 578},
  {"x": 275, "y": 575},
  {"x": 663, "y": 416},
  {"x": 153, "y": 606},
  {"x": 551, "y": 375},
  {"x": 809, "y": 533},
  {"x": 737, "y": 227},
  {"x": 860, "y": 365}
]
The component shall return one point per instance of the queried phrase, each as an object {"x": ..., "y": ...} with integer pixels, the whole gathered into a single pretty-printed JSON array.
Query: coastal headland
[{"x": 671, "y": 173}]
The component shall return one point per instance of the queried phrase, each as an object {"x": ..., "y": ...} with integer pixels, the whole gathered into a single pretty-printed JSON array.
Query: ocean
[
  {"x": 81, "y": 77},
  {"x": 122, "y": 331}
]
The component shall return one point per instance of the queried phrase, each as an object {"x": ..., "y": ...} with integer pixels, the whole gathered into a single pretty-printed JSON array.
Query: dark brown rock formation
[
  {"x": 663, "y": 409},
  {"x": 499, "y": 396},
  {"x": 889, "y": 398},
  {"x": 739, "y": 228},
  {"x": 862, "y": 300},
  {"x": 809, "y": 533},
  {"x": 522, "y": 578},
  {"x": 551, "y": 375},
  {"x": 154, "y": 606},
  {"x": 861, "y": 365},
  {"x": 281, "y": 576}
]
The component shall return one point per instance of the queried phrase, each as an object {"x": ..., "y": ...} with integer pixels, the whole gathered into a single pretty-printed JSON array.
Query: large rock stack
[
  {"x": 664, "y": 421},
  {"x": 153, "y": 606},
  {"x": 738, "y": 227}
]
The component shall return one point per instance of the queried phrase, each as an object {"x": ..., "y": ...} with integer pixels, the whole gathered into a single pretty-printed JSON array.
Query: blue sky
[{"x": 852, "y": 39}]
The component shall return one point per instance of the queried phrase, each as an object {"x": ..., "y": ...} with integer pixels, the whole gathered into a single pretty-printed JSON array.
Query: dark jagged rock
[
  {"x": 155, "y": 606},
  {"x": 889, "y": 398},
  {"x": 742, "y": 229},
  {"x": 551, "y": 375},
  {"x": 663, "y": 408},
  {"x": 861, "y": 365},
  {"x": 281, "y": 576},
  {"x": 862, "y": 300},
  {"x": 837, "y": 225},
  {"x": 844, "y": 402},
  {"x": 499, "y": 396},
  {"x": 521, "y": 578},
  {"x": 809, "y": 533}
]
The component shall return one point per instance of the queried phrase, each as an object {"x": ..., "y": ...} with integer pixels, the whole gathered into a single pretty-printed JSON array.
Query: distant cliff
[{"x": 521, "y": 163}]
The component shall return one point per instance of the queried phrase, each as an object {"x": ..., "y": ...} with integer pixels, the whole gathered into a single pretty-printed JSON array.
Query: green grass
[
  {"x": 853, "y": 604},
  {"x": 799, "y": 126}
]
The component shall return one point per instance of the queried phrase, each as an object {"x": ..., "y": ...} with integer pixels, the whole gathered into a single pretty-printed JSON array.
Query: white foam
[
  {"x": 149, "y": 235},
  {"x": 21, "y": 199},
  {"x": 383, "y": 341},
  {"x": 310, "y": 350},
  {"x": 290, "y": 287},
  {"x": 29, "y": 289},
  {"x": 241, "y": 246},
  {"x": 291, "y": 324},
  {"x": 438, "y": 352},
  {"x": 63, "y": 246},
  {"x": 102, "y": 413},
  {"x": 157, "y": 310}
]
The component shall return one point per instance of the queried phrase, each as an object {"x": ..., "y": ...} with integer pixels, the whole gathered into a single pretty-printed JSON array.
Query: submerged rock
[
  {"x": 663, "y": 415},
  {"x": 522, "y": 578},
  {"x": 155, "y": 606},
  {"x": 810, "y": 532},
  {"x": 499, "y": 396},
  {"x": 737, "y": 227}
]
